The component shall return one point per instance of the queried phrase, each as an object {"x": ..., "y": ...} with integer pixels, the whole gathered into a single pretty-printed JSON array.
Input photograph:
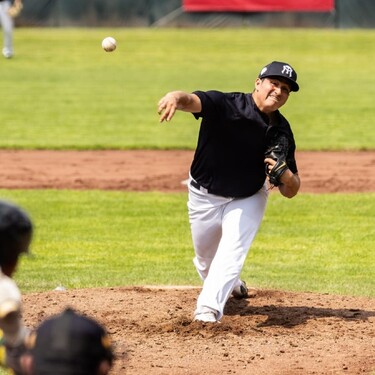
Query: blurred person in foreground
[
  {"x": 8, "y": 11},
  {"x": 228, "y": 176},
  {"x": 15, "y": 237},
  {"x": 68, "y": 344}
]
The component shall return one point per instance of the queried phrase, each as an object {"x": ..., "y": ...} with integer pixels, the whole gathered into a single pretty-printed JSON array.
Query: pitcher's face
[{"x": 270, "y": 94}]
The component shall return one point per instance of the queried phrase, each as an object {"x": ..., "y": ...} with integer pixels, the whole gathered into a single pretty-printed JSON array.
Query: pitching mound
[{"x": 273, "y": 333}]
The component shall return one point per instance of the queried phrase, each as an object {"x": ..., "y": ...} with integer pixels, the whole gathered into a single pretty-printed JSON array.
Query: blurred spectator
[
  {"x": 15, "y": 238},
  {"x": 69, "y": 344}
]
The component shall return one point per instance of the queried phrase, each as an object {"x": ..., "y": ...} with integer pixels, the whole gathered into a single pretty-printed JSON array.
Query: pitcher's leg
[
  {"x": 205, "y": 214},
  {"x": 206, "y": 234},
  {"x": 241, "y": 221}
]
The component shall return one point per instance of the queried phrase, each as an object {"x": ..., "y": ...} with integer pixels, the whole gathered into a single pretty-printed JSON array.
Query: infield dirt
[{"x": 275, "y": 332}]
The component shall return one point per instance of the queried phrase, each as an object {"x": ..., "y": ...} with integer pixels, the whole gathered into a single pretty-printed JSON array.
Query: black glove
[{"x": 277, "y": 149}]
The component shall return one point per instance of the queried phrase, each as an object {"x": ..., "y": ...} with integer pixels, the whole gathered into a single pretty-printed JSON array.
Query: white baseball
[{"x": 109, "y": 44}]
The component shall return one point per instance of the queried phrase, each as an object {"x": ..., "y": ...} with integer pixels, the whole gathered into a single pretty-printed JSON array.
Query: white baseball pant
[
  {"x": 7, "y": 24},
  {"x": 222, "y": 232}
]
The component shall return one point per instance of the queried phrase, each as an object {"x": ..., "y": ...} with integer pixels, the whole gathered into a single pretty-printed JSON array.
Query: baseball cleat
[
  {"x": 240, "y": 292},
  {"x": 205, "y": 315}
]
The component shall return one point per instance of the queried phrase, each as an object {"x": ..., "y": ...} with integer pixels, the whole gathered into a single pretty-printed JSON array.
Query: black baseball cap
[
  {"x": 282, "y": 70},
  {"x": 15, "y": 232},
  {"x": 69, "y": 344}
]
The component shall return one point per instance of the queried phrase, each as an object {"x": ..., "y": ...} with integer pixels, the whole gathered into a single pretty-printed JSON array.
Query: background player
[
  {"x": 227, "y": 190},
  {"x": 15, "y": 238},
  {"x": 68, "y": 344},
  {"x": 7, "y": 23}
]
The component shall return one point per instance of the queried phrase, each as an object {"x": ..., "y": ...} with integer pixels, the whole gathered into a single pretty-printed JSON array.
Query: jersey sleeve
[
  {"x": 291, "y": 160},
  {"x": 290, "y": 157},
  {"x": 211, "y": 103},
  {"x": 286, "y": 129},
  {"x": 12, "y": 329},
  {"x": 10, "y": 311},
  {"x": 10, "y": 297}
]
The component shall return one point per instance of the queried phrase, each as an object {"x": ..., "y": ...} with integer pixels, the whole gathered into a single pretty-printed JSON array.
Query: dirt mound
[{"x": 273, "y": 333}]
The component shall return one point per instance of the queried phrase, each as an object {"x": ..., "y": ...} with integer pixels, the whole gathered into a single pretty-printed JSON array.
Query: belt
[
  {"x": 192, "y": 182},
  {"x": 195, "y": 184}
]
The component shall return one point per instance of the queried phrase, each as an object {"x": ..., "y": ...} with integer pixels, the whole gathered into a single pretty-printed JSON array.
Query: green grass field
[
  {"x": 321, "y": 243},
  {"x": 63, "y": 91}
]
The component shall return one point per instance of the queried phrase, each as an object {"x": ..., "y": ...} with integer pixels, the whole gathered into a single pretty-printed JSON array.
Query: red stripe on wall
[{"x": 258, "y": 5}]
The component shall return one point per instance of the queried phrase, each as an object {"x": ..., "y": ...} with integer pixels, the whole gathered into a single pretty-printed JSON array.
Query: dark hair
[{"x": 15, "y": 233}]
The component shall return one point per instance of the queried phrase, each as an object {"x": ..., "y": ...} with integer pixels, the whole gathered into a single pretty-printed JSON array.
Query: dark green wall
[{"x": 169, "y": 13}]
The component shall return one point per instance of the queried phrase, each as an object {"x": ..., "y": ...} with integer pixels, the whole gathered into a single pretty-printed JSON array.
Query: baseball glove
[
  {"x": 15, "y": 10},
  {"x": 277, "y": 149}
]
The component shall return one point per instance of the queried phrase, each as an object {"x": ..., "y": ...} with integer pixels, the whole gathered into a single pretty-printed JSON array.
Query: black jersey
[{"x": 229, "y": 158}]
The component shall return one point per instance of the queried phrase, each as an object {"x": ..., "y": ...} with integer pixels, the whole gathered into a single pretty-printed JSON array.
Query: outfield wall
[{"x": 171, "y": 13}]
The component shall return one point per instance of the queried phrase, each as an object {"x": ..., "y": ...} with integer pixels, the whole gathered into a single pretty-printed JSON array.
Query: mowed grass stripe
[
  {"x": 64, "y": 92},
  {"x": 322, "y": 243}
]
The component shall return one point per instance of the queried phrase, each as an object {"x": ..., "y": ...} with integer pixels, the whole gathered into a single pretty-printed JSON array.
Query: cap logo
[
  {"x": 287, "y": 70},
  {"x": 263, "y": 71}
]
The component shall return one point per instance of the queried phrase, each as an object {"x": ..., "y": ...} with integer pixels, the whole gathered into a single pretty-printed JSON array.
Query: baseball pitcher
[{"x": 244, "y": 144}]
